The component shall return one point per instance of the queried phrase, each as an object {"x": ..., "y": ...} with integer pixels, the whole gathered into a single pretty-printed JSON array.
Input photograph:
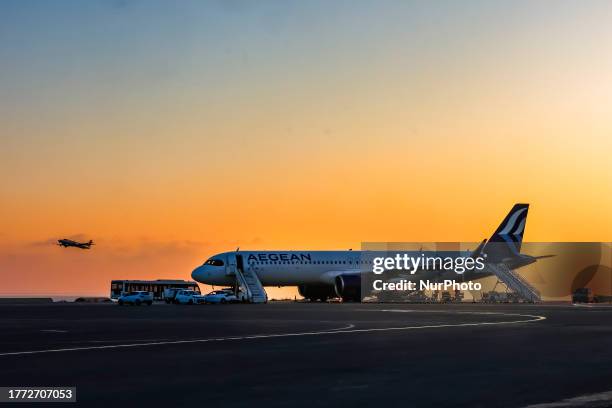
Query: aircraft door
[
  {"x": 231, "y": 263},
  {"x": 239, "y": 263}
]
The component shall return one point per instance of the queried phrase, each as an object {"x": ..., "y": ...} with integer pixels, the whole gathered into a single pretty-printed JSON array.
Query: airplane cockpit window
[{"x": 214, "y": 262}]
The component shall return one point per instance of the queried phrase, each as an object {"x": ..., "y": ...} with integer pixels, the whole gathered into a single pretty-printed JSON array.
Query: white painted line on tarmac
[
  {"x": 602, "y": 399},
  {"x": 340, "y": 330},
  {"x": 593, "y": 305},
  {"x": 350, "y": 326}
]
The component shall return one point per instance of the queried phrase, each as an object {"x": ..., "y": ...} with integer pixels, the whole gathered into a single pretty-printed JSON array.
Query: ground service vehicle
[
  {"x": 136, "y": 298},
  {"x": 156, "y": 287},
  {"x": 583, "y": 295},
  {"x": 188, "y": 297},
  {"x": 220, "y": 296}
]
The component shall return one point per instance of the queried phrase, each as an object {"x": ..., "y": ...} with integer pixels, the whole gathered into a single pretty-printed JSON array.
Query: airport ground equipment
[
  {"x": 157, "y": 287},
  {"x": 220, "y": 296},
  {"x": 514, "y": 281},
  {"x": 188, "y": 297},
  {"x": 136, "y": 298},
  {"x": 251, "y": 285},
  {"x": 170, "y": 294},
  {"x": 583, "y": 295},
  {"x": 247, "y": 280}
]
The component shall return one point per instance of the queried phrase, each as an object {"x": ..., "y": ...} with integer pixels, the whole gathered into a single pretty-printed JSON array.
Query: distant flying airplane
[{"x": 70, "y": 243}]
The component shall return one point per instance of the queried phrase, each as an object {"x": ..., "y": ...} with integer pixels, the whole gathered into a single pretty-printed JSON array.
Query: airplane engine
[
  {"x": 348, "y": 287},
  {"x": 317, "y": 292}
]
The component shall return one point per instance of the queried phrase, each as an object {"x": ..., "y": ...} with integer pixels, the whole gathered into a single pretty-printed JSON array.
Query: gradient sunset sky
[{"x": 170, "y": 131}]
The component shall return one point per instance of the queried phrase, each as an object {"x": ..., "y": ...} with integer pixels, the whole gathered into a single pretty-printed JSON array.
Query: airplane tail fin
[{"x": 507, "y": 239}]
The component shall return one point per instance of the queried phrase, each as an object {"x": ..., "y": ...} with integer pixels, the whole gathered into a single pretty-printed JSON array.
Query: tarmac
[{"x": 312, "y": 354}]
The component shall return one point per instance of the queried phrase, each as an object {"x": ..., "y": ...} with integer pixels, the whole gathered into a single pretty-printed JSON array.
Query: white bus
[{"x": 156, "y": 287}]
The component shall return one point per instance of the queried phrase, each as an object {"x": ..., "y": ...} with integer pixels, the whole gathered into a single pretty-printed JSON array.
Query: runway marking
[
  {"x": 581, "y": 305},
  {"x": 350, "y": 326},
  {"x": 340, "y": 330},
  {"x": 593, "y": 306},
  {"x": 601, "y": 399}
]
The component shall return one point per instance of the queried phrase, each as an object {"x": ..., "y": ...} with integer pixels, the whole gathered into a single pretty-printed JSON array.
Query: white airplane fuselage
[
  {"x": 294, "y": 268},
  {"x": 318, "y": 271}
]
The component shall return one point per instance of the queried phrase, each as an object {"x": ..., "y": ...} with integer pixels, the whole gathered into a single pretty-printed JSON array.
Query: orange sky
[{"x": 261, "y": 131}]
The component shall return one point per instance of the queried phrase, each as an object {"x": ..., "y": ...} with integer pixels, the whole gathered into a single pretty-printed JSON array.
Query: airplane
[
  {"x": 320, "y": 275},
  {"x": 70, "y": 243}
]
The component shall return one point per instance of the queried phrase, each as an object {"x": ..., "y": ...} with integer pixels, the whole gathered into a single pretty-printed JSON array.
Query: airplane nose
[{"x": 197, "y": 274}]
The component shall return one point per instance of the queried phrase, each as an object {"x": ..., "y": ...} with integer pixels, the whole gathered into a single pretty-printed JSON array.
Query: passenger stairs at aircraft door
[
  {"x": 516, "y": 282},
  {"x": 251, "y": 285}
]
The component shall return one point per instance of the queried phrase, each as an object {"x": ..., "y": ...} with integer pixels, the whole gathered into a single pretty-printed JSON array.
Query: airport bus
[{"x": 156, "y": 287}]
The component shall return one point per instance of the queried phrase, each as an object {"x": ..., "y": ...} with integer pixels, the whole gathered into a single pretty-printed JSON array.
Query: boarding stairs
[
  {"x": 249, "y": 284},
  {"x": 513, "y": 280}
]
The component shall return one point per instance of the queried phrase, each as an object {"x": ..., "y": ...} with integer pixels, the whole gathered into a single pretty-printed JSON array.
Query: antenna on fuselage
[{"x": 237, "y": 249}]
